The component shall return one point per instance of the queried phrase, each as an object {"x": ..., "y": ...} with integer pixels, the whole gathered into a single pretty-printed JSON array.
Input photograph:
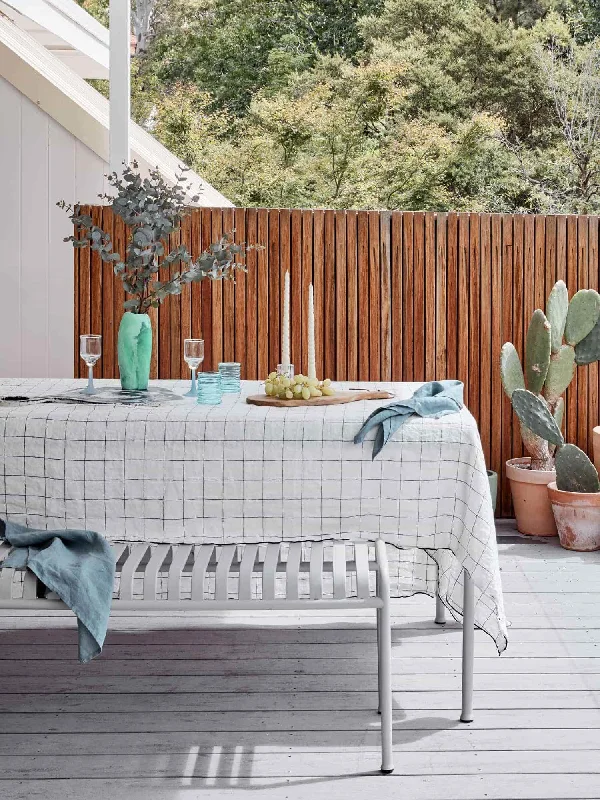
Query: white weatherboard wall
[{"x": 40, "y": 163}]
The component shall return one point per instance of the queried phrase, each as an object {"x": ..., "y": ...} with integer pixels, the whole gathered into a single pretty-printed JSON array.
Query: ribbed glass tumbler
[
  {"x": 230, "y": 377},
  {"x": 210, "y": 389}
]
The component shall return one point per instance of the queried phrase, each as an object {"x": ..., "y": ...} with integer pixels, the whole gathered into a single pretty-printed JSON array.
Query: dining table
[{"x": 168, "y": 469}]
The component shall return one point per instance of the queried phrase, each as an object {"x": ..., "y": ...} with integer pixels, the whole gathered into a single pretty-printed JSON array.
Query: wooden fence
[{"x": 403, "y": 296}]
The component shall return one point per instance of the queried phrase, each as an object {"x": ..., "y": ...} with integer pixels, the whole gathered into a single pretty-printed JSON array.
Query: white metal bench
[{"x": 301, "y": 575}]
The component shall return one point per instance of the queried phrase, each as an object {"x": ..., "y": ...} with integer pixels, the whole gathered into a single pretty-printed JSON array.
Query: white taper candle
[
  {"x": 285, "y": 325},
  {"x": 312, "y": 367}
]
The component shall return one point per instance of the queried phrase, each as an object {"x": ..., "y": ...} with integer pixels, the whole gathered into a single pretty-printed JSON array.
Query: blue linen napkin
[
  {"x": 434, "y": 399},
  {"x": 78, "y": 565}
]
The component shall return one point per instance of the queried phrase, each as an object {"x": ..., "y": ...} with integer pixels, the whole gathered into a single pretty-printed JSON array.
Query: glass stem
[
  {"x": 193, "y": 380},
  {"x": 90, "y": 386}
]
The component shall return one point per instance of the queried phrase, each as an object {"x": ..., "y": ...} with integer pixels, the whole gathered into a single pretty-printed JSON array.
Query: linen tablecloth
[{"x": 183, "y": 472}]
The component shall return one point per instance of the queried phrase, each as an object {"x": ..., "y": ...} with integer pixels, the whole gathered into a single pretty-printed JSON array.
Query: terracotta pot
[
  {"x": 596, "y": 440},
  {"x": 529, "y": 490},
  {"x": 577, "y": 517}
]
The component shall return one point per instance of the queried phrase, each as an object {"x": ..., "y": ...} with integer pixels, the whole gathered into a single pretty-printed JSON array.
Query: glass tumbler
[
  {"x": 230, "y": 377},
  {"x": 210, "y": 389}
]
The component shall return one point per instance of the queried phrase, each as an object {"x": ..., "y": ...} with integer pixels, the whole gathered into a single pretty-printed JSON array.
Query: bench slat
[
  {"x": 136, "y": 554},
  {"x": 361, "y": 560},
  {"x": 159, "y": 553},
  {"x": 246, "y": 571},
  {"x": 181, "y": 554},
  {"x": 226, "y": 554},
  {"x": 315, "y": 575},
  {"x": 293, "y": 570},
  {"x": 270, "y": 571},
  {"x": 202, "y": 555},
  {"x": 339, "y": 570}
]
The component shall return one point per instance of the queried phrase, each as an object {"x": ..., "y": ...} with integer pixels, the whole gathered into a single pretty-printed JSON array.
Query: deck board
[{"x": 180, "y": 707}]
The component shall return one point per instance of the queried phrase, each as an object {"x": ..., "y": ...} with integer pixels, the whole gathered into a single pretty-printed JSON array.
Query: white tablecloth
[{"x": 182, "y": 472}]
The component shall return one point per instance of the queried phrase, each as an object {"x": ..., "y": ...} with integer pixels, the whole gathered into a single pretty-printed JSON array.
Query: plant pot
[
  {"x": 596, "y": 440},
  {"x": 529, "y": 489},
  {"x": 135, "y": 350},
  {"x": 493, "y": 479},
  {"x": 577, "y": 516}
]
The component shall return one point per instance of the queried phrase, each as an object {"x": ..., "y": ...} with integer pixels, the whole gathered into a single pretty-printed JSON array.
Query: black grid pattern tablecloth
[{"x": 181, "y": 472}]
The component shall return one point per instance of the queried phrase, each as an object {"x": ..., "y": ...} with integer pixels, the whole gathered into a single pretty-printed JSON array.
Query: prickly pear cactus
[
  {"x": 556, "y": 313},
  {"x": 533, "y": 412},
  {"x": 537, "y": 352},
  {"x": 584, "y": 310},
  {"x": 536, "y": 392},
  {"x": 560, "y": 373},
  {"x": 559, "y": 412},
  {"x": 511, "y": 369},
  {"x": 574, "y": 471},
  {"x": 588, "y": 349}
]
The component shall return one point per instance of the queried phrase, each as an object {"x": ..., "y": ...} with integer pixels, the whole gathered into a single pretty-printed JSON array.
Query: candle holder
[{"x": 287, "y": 370}]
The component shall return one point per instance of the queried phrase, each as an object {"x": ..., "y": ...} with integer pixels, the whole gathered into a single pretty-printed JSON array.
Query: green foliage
[
  {"x": 152, "y": 209},
  {"x": 478, "y": 105}
]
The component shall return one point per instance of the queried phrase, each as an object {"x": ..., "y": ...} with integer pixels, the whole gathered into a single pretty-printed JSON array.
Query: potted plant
[
  {"x": 152, "y": 210},
  {"x": 575, "y": 495},
  {"x": 555, "y": 343}
]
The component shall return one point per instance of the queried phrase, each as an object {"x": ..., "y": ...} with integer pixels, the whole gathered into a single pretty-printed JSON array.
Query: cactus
[
  {"x": 534, "y": 413},
  {"x": 584, "y": 310},
  {"x": 511, "y": 369},
  {"x": 560, "y": 373},
  {"x": 556, "y": 313},
  {"x": 588, "y": 349},
  {"x": 574, "y": 470},
  {"x": 537, "y": 351},
  {"x": 550, "y": 367}
]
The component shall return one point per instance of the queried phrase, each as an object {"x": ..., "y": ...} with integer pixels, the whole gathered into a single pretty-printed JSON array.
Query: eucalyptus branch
[{"x": 152, "y": 210}]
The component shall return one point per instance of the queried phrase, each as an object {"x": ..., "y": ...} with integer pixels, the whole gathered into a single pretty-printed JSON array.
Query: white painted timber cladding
[{"x": 40, "y": 163}]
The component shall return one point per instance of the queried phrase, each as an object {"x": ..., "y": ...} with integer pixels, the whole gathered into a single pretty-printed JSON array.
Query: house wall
[{"x": 40, "y": 163}]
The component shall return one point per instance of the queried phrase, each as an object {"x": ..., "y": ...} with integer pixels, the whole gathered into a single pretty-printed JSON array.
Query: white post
[{"x": 120, "y": 90}]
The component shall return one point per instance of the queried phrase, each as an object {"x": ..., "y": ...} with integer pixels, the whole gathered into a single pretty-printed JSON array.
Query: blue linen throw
[
  {"x": 434, "y": 399},
  {"x": 78, "y": 565}
]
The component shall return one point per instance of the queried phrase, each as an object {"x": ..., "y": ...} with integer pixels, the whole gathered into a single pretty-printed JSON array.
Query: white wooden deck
[{"x": 184, "y": 708}]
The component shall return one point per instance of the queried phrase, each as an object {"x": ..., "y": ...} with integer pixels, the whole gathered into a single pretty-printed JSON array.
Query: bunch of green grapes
[{"x": 296, "y": 388}]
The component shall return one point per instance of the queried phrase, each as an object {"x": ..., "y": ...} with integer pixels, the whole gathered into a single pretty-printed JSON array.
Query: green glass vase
[{"x": 134, "y": 348}]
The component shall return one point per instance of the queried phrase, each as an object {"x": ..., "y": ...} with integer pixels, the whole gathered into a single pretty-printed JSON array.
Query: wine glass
[
  {"x": 193, "y": 353},
  {"x": 90, "y": 349}
]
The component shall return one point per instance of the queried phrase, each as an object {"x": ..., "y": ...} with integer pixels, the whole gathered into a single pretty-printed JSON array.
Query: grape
[{"x": 299, "y": 386}]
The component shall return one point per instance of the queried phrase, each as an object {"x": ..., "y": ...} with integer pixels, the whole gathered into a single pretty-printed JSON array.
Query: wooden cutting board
[{"x": 344, "y": 396}]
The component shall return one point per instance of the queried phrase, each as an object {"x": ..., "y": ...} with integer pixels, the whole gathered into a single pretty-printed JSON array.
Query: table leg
[
  {"x": 468, "y": 648},
  {"x": 440, "y": 609}
]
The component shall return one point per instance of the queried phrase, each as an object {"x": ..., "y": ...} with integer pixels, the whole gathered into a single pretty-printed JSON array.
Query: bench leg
[
  {"x": 384, "y": 663},
  {"x": 468, "y": 648}
]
